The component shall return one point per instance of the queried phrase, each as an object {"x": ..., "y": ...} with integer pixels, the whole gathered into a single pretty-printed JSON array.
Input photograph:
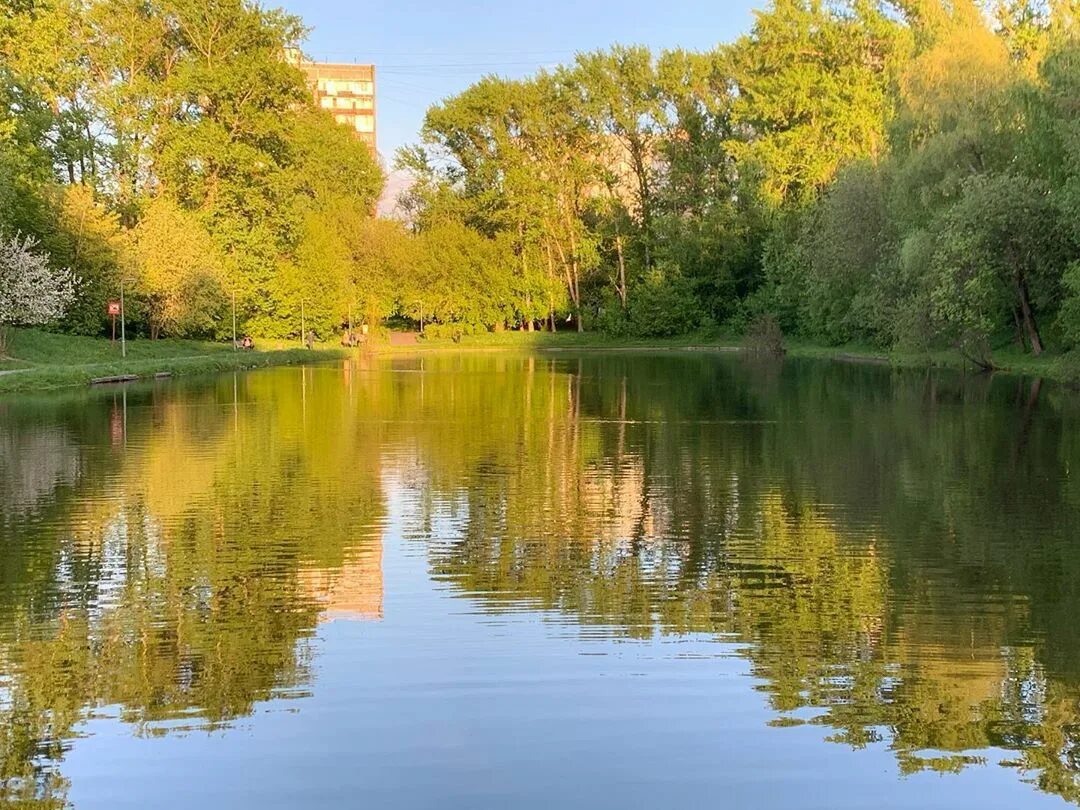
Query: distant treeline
[{"x": 901, "y": 174}]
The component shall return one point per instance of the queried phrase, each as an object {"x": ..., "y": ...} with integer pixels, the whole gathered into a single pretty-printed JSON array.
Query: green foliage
[
  {"x": 463, "y": 278},
  {"x": 663, "y": 304},
  {"x": 113, "y": 111},
  {"x": 1069, "y": 316},
  {"x": 898, "y": 175},
  {"x": 1000, "y": 252},
  {"x": 849, "y": 245},
  {"x": 813, "y": 85},
  {"x": 179, "y": 274},
  {"x": 893, "y": 175},
  {"x": 88, "y": 238}
]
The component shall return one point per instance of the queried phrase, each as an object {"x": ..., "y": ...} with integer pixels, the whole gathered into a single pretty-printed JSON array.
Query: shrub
[
  {"x": 663, "y": 304},
  {"x": 1067, "y": 368},
  {"x": 765, "y": 337}
]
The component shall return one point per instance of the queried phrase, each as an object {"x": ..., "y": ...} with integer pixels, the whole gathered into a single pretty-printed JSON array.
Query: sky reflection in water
[{"x": 498, "y": 580}]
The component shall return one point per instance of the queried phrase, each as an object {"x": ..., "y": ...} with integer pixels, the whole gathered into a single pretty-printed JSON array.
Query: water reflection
[{"x": 894, "y": 553}]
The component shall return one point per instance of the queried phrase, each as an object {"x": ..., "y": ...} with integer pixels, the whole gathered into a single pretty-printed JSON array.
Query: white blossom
[{"x": 31, "y": 291}]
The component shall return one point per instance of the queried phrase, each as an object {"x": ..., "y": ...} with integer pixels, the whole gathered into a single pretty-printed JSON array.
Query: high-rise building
[{"x": 347, "y": 91}]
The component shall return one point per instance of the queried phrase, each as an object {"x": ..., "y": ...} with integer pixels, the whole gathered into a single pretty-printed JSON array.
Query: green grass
[{"x": 39, "y": 361}]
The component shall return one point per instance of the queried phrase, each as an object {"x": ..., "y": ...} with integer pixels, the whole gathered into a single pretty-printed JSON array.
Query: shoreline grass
[{"x": 42, "y": 361}]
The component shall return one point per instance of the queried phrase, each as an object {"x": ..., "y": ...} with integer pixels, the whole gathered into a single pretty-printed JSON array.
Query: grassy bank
[
  {"x": 1009, "y": 359},
  {"x": 38, "y": 361}
]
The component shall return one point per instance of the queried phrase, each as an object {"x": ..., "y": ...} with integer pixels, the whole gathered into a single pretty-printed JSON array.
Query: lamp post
[{"x": 123, "y": 321}]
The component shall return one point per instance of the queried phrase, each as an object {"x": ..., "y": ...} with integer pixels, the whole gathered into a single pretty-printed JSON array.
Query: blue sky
[{"x": 426, "y": 50}]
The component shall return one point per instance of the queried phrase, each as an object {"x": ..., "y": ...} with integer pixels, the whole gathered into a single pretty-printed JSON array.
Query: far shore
[
  {"x": 41, "y": 361},
  {"x": 1009, "y": 361}
]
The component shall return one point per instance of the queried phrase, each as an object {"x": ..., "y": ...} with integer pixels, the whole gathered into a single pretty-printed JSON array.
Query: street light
[{"x": 123, "y": 322}]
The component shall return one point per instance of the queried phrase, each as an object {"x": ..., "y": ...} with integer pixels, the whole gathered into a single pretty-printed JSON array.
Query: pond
[{"x": 498, "y": 580}]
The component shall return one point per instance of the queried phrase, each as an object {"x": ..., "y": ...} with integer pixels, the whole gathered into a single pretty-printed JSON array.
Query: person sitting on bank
[{"x": 247, "y": 344}]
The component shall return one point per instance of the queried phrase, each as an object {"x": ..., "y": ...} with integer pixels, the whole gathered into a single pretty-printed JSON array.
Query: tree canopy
[
  {"x": 901, "y": 174},
  {"x": 173, "y": 145},
  {"x": 894, "y": 173}
]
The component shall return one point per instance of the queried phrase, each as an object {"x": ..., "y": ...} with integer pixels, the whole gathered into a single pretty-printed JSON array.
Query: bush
[
  {"x": 663, "y": 305},
  {"x": 1067, "y": 368},
  {"x": 611, "y": 318},
  {"x": 765, "y": 337},
  {"x": 1068, "y": 321},
  {"x": 708, "y": 328}
]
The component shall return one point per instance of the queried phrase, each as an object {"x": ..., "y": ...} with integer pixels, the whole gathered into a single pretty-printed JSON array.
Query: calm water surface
[{"x": 492, "y": 581}]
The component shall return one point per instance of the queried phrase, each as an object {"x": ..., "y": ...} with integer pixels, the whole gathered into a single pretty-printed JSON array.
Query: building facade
[{"x": 348, "y": 92}]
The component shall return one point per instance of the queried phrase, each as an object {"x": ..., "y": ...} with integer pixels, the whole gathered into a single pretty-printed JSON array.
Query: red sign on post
[{"x": 114, "y": 310}]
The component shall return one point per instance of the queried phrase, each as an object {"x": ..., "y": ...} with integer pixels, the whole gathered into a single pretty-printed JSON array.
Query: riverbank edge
[
  {"x": 1010, "y": 363},
  {"x": 45, "y": 377},
  {"x": 48, "y": 377}
]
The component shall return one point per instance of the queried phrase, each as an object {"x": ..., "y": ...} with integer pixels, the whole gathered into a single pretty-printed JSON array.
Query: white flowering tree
[{"x": 32, "y": 292}]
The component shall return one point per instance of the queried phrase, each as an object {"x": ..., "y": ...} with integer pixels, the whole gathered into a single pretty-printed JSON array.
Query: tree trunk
[
  {"x": 92, "y": 153},
  {"x": 976, "y": 352},
  {"x": 639, "y": 155},
  {"x": 1019, "y": 329},
  {"x": 570, "y": 274},
  {"x": 551, "y": 284},
  {"x": 621, "y": 288},
  {"x": 576, "y": 296},
  {"x": 1028, "y": 316},
  {"x": 576, "y": 288}
]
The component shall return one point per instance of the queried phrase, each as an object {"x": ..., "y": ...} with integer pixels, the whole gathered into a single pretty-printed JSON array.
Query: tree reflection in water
[{"x": 892, "y": 550}]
